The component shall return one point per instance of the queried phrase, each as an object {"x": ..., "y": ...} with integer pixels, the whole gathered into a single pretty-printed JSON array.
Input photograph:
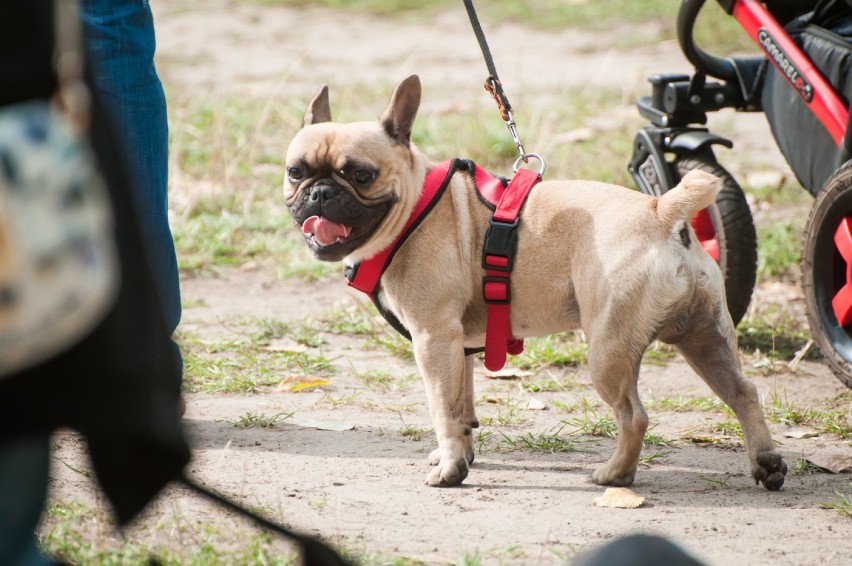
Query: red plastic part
[
  {"x": 703, "y": 226},
  {"x": 825, "y": 104},
  {"x": 842, "y": 301}
]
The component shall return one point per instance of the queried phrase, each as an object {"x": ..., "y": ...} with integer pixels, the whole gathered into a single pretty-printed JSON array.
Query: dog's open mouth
[{"x": 325, "y": 232}]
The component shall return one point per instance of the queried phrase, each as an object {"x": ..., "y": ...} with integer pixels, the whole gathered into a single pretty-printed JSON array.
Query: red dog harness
[{"x": 497, "y": 255}]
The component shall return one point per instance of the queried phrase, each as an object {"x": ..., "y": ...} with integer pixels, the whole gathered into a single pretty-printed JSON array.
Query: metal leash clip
[{"x": 525, "y": 158}]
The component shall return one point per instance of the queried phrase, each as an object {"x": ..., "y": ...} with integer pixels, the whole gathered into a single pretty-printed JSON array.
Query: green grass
[
  {"x": 803, "y": 467},
  {"x": 363, "y": 320},
  {"x": 239, "y": 366},
  {"x": 357, "y": 320},
  {"x": 719, "y": 482},
  {"x": 789, "y": 192},
  {"x": 552, "y": 440},
  {"x": 778, "y": 249},
  {"x": 412, "y": 432},
  {"x": 648, "y": 459},
  {"x": 565, "y": 349},
  {"x": 592, "y": 424},
  {"x": 384, "y": 381},
  {"x": 482, "y": 440},
  {"x": 776, "y": 333},
  {"x": 78, "y": 534},
  {"x": 658, "y": 354},
  {"x": 547, "y": 384},
  {"x": 655, "y": 439},
  {"x": 825, "y": 420},
  {"x": 252, "y": 420},
  {"x": 729, "y": 428},
  {"x": 842, "y": 503},
  {"x": 509, "y": 413},
  {"x": 681, "y": 404}
]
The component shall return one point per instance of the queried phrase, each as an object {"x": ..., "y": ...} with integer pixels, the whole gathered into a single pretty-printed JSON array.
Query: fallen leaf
[
  {"x": 801, "y": 433},
  {"x": 832, "y": 462},
  {"x": 620, "y": 498},
  {"x": 316, "y": 383},
  {"x": 507, "y": 373},
  {"x": 296, "y": 383},
  {"x": 327, "y": 425},
  {"x": 286, "y": 346}
]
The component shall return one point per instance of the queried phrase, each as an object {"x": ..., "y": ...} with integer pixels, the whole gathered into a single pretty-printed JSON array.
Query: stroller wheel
[
  {"x": 827, "y": 271},
  {"x": 726, "y": 230}
]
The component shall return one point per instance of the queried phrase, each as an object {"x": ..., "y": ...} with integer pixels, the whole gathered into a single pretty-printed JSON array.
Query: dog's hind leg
[
  {"x": 615, "y": 373},
  {"x": 710, "y": 347}
]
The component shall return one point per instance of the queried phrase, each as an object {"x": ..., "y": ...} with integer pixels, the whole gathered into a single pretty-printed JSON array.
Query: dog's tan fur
[{"x": 624, "y": 267}]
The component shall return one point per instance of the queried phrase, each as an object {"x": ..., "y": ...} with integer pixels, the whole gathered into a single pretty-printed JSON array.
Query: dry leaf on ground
[
  {"x": 619, "y": 497},
  {"x": 831, "y": 461}
]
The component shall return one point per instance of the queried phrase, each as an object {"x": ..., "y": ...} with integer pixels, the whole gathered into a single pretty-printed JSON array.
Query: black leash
[
  {"x": 313, "y": 551},
  {"x": 495, "y": 88},
  {"x": 492, "y": 83}
]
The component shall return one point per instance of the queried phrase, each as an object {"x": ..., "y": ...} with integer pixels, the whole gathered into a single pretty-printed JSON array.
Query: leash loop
[{"x": 525, "y": 158}]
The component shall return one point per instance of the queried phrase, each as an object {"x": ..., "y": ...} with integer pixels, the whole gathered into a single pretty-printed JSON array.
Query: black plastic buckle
[
  {"x": 501, "y": 239},
  {"x": 504, "y": 281}
]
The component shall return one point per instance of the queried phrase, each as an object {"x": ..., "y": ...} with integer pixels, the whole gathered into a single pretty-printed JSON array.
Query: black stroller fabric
[{"x": 825, "y": 35}]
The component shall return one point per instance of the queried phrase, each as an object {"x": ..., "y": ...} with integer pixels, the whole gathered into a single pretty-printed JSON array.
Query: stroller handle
[{"x": 703, "y": 61}]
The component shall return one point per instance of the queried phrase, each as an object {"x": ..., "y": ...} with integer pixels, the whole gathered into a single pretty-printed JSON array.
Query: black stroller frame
[{"x": 800, "y": 82}]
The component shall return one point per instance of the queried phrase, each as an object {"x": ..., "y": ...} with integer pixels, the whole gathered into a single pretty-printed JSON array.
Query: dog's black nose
[{"x": 321, "y": 192}]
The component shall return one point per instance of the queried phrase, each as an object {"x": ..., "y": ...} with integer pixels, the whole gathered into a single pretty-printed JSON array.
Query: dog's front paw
[
  {"x": 770, "y": 470},
  {"x": 435, "y": 456},
  {"x": 451, "y": 463},
  {"x": 448, "y": 472}
]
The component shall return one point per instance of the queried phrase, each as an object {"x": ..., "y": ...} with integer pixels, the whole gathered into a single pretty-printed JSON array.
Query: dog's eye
[
  {"x": 295, "y": 174},
  {"x": 362, "y": 176}
]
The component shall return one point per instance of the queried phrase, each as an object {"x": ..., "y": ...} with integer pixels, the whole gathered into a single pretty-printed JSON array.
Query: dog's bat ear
[
  {"x": 318, "y": 108},
  {"x": 398, "y": 119}
]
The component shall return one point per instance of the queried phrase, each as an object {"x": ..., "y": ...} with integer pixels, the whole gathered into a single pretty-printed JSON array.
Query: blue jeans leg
[
  {"x": 120, "y": 42},
  {"x": 23, "y": 489}
]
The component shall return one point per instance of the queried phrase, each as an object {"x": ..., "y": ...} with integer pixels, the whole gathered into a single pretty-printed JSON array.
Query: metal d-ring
[{"x": 525, "y": 158}]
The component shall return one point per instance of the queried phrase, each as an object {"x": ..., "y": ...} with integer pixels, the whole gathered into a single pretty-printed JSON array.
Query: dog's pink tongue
[{"x": 324, "y": 230}]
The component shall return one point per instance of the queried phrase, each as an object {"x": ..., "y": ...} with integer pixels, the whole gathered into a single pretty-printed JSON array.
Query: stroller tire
[
  {"x": 726, "y": 230},
  {"x": 827, "y": 272}
]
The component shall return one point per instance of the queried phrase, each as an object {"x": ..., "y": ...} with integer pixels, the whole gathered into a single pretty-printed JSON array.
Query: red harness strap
[
  {"x": 365, "y": 276},
  {"x": 498, "y": 256}
]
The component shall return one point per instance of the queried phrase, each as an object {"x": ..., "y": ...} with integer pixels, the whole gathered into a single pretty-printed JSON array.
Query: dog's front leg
[{"x": 448, "y": 376}]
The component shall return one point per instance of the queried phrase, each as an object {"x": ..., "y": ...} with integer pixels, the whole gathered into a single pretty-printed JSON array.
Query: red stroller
[{"x": 803, "y": 83}]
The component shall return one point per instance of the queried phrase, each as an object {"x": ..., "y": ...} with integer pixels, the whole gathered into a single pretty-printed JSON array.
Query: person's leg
[
  {"x": 120, "y": 42},
  {"x": 23, "y": 489}
]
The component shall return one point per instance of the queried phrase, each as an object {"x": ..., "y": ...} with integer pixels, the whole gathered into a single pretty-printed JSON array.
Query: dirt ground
[{"x": 364, "y": 487}]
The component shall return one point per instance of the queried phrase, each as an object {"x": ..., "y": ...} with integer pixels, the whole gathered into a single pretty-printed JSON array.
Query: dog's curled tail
[{"x": 697, "y": 190}]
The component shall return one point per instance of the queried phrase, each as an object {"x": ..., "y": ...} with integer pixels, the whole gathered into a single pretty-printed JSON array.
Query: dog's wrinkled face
[{"x": 346, "y": 184}]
